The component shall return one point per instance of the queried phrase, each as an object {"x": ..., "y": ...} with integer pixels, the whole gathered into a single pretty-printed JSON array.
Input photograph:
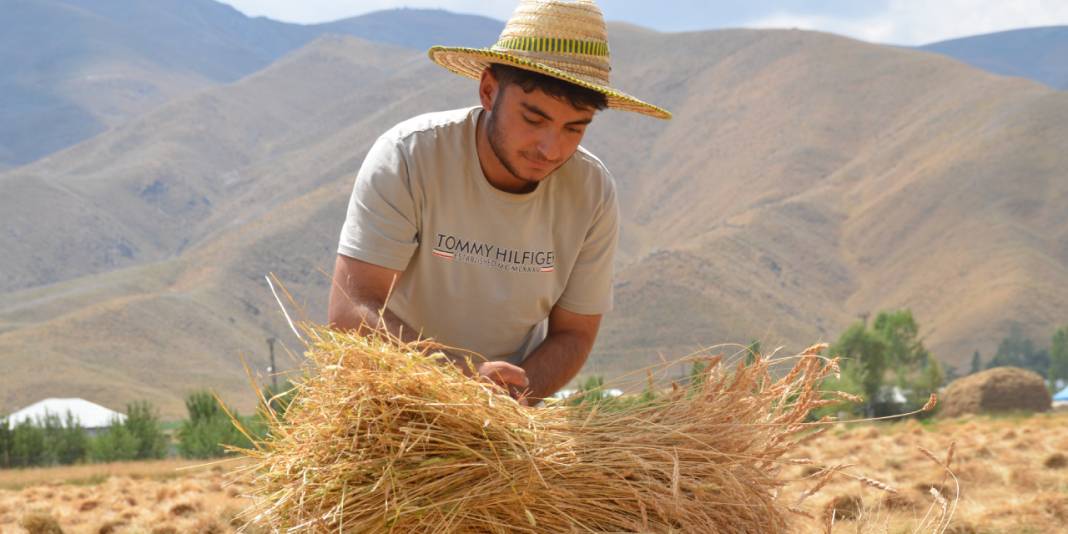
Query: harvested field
[
  {"x": 89, "y": 474},
  {"x": 145, "y": 497},
  {"x": 1006, "y": 485},
  {"x": 1010, "y": 469}
]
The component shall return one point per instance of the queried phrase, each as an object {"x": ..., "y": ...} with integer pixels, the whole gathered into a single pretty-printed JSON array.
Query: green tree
[
  {"x": 116, "y": 443},
  {"x": 67, "y": 441},
  {"x": 142, "y": 422},
  {"x": 977, "y": 363},
  {"x": 864, "y": 355},
  {"x": 209, "y": 429},
  {"x": 848, "y": 381},
  {"x": 5, "y": 442},
  {"x": 1058, "y": 357},
  {"x": 892, "y": 344},
  {"x": 43, "y": 441},
  {"x": 931, "y": 377},
  {"x": 901, "y": 333},
  {"x": 27, "y": 445},
  {"x": 1017, "y": 350}
]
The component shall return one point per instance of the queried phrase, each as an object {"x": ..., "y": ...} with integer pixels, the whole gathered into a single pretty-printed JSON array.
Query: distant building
[
  {"x": 1060, "y": 400},
  {"x": 90, "y": 416}
]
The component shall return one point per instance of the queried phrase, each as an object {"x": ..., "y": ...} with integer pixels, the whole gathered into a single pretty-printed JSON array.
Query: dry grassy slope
[
  {"x": 75, "y": 68},
  {"x": 808, "y": 178},
  {"x": 187, "y": 319},
  {"x": 150, "y": 188},
  {"x": 804, "y": 180}
]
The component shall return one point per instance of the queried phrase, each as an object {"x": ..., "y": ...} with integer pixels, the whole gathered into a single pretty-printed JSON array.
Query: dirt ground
[
  {"x": 166, "y": 497},
  {"x": 1012, "y": 473}
]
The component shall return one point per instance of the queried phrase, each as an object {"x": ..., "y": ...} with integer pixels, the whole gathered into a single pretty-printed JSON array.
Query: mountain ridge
[
  {"x": 805, "y": 180},
  {"x": 1039, "y": 53}
]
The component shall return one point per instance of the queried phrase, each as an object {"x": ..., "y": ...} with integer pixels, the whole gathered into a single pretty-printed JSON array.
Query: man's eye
[{"x": 530, "y": 120}]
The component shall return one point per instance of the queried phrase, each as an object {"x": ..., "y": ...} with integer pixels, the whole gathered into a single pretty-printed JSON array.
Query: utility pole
[{"x": 272, "y": 369}]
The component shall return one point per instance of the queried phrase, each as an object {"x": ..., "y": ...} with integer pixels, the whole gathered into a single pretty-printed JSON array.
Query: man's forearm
[
  {"x": 365, "y": 314},
  {"x": 350, "y": 314},
  {"x": 375, "y": 316},
  {"x": 554, "y": 363}
]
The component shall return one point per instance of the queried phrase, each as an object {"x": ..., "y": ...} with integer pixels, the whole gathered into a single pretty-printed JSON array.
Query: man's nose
[{"x": 549, "y": 146}]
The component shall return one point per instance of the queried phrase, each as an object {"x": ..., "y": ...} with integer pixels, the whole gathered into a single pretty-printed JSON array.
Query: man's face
[{"x": 533, "y": 134}]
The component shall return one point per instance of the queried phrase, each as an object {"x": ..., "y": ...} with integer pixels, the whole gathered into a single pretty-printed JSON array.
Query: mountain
[
  {"x": 418, "y": 28},
  {"x": 192, "y": 199},
  {"x": 75, "y": 68},
  {"x": 806, "y": 179},
  {"x": 1040, "y": 54}
]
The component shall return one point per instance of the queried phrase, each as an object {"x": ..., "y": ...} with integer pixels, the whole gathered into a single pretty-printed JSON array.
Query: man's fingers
[
  {"x": 510, "y": 377},
  {"x": 505, "y": 374}
]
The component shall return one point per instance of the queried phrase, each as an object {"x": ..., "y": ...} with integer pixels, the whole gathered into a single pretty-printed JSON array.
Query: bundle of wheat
[
  {"x": 1001, "y": 389},
  {"x": 381, "y": 437}
]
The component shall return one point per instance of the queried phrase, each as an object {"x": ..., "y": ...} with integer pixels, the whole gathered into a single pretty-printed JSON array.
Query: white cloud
[{"x": 914, "y": 22}]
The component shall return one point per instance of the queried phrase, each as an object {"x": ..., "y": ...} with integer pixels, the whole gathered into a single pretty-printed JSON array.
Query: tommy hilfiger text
[{"x": 450, "y": 247}]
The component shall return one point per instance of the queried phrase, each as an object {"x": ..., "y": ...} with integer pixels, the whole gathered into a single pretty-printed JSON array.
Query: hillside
[
  {"x": 190, "y": 297},
  {"x": 75, "y": 68},
  {"x": 1040, "y": 54},
  {"x": 806, "y": 179}
]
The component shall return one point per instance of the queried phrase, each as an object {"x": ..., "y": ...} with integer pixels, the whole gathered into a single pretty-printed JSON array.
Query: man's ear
[{"x": 487, "y": 89}]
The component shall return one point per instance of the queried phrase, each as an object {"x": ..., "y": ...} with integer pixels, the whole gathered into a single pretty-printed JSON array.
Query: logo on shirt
[{"x": 452, "y": 248}]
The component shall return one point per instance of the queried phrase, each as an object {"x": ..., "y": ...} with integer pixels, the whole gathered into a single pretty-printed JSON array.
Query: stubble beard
[{"x": 496, "y": 142}]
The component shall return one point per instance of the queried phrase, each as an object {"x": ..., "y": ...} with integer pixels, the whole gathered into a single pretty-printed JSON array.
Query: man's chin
[
  {"x": 534, "y": 179},
  {"x": 537, "y": 174}
]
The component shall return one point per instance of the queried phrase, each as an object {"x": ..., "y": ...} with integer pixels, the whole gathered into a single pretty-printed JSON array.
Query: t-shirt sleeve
[
  {"x": 381, "y": 226},
  {"x": 589, "y": 287}
]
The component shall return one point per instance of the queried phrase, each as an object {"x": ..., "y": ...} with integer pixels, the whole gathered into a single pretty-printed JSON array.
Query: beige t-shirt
[{"x": 481, "y": 268}]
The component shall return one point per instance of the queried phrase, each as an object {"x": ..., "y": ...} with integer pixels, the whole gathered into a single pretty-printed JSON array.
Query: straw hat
[{"x": 559, "y": 38}]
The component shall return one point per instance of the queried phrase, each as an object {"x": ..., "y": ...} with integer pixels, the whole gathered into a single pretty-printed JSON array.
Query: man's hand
[{"x": 510, "y": 377}]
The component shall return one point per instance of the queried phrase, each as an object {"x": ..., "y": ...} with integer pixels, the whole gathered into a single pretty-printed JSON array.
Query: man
[{"x": 489, "y": 229}]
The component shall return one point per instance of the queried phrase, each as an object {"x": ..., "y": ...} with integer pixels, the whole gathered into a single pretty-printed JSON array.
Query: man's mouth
[{"x": 538, "y": 162}]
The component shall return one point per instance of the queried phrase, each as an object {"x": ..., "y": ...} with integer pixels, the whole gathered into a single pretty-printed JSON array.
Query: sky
[{"x": 903, "y": 22}]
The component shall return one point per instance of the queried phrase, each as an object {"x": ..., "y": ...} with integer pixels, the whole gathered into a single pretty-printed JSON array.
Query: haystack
[
  {"x": 1000, "y": 389},
  {"x": 383, "y": 438}
]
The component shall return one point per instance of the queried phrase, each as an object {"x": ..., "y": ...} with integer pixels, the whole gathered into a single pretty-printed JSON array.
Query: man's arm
[
  {"x": 562, "y": 354},
  {"x": 358, "y": 297},
  {"x": 358, "y": 294}
]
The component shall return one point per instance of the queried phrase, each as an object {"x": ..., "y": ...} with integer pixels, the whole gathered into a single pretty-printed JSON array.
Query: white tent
[
  {"x": 1060, "y": 400},
  {"x": 89, "y": 415}
]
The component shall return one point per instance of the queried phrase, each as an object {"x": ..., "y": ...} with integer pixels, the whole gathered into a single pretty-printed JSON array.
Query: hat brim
[{"x": 470, "y": 62}]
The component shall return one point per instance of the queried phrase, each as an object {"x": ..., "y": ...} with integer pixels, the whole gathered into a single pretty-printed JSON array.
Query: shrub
[
  {"x": 208, "y": 429},
  {"x": 116, "y": 443},
  {"x": 5, "y": 442},
  {"x": 139, "y": 437},
  {"x": 27, "y": 445},
  {"x": 67, "y": 440},
  {"x": 142, "y": 422}
]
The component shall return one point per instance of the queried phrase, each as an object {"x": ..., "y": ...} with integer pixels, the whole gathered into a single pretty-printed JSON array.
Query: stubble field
[{"x": 1012, "y": 472}]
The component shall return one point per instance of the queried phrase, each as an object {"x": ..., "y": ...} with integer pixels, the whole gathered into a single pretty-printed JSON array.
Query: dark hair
[{"x": 579, "y": 97}]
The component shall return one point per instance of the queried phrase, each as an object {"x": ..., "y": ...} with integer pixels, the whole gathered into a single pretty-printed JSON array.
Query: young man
[{"x": 489, "y": 229}]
